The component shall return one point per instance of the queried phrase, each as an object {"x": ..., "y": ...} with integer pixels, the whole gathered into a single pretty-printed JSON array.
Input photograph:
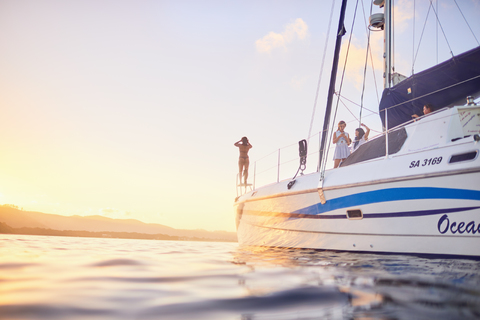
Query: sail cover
[{"x": 443, "y": 85}]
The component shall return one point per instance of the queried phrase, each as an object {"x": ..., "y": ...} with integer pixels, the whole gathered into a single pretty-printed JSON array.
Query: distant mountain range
[{"x": 13, "y": 220}]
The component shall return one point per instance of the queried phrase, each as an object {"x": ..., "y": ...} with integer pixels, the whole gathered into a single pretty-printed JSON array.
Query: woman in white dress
[
  {"x": 361, "y": 137},
  {"x": 342, "y": 140}
]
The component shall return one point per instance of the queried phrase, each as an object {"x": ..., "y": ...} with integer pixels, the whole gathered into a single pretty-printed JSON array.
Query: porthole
[
  {"x": 354, "y": 214},
  {"x": 463, "y": 157}
]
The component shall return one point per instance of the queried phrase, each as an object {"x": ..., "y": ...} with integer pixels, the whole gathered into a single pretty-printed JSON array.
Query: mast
[
  {"x": 388, "y": 45},
  {"x": 331, "y": 91},
  {"x": 388, "y": 62}
]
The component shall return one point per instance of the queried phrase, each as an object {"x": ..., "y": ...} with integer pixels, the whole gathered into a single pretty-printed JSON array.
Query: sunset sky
[{"x": 129, "y": 109}]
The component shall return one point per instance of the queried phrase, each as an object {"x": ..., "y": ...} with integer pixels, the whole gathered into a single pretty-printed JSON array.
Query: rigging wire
[
  {"x": 354, "y": 115},
  {"x": 366, "y": 61},
  {"x": 321, "y": 72},
  {"x": 441, "y": 27},
  {"x": 371, "y": 60},
  {"x": 421, "y": 36},
  {"x": 393, "y": 36},
  {"x": 324, "y": 160},
  {"x": 436, "y": 34},
  {"x": 466, "y": 22},
  {"x": 374, "y": 77},
  {"x": 413, "y": 38},
  {"x": 347, "y": 108},
  {"x": 431, "y": 7},
  {"x": 353, "y": 102}
]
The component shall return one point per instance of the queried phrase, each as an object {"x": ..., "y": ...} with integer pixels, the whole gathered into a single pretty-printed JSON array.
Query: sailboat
[{"x": 415, "y": 189}]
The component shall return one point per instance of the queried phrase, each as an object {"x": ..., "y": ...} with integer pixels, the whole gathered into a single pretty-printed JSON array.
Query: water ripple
[
  {"x": 117, "y": 262},
  {"x": 78, "y": 278}
]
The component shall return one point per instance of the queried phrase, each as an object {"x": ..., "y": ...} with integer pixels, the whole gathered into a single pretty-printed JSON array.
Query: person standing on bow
[
  {"x": 342, "y": 140},
  {"x": 361, "y": 137},
  {"x": 243, "y": 162}
]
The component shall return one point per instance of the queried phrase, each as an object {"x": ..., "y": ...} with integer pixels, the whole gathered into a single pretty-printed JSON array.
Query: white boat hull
[
  {"x": 424, "y": 226},
  {"x": 431, "y": 209}
]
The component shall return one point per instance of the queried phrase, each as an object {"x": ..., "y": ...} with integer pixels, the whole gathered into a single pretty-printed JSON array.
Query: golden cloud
[
  {"x": 295, "y": 30},
  {"x": 403, "y": 13},
  {"x": 357, "y": 55}
]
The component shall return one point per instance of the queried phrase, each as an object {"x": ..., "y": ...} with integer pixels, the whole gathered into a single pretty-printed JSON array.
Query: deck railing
[{"x": 283, "y": 163}]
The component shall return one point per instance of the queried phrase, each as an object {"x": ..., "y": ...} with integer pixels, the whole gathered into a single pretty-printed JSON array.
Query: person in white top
[
  {"x": 361, "y": 137},
  {"x": 342, "y": 141}
]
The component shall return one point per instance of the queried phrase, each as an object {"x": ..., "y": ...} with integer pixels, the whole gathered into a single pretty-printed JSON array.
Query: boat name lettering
[
  {"x": 444, "y": 226},
  {"x": 425, "y": 162}
]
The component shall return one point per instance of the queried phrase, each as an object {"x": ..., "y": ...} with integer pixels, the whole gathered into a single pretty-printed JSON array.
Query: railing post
[
  {"x": 254, "y": 173},
  {"x": 386, "y": 132},
  {"x": 236, "y": 184},
  {"x": 278, "y": 166},
  {"x": 319, "y": 144}
]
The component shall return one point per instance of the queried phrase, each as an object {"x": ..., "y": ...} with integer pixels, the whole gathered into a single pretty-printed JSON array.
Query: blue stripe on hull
[
  {"x": 383, "y": 215},
  {"x": 385, "y": 195}
]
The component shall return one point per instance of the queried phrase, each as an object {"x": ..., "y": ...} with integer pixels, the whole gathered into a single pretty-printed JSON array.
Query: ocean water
[{"x": 91, "y": 278}]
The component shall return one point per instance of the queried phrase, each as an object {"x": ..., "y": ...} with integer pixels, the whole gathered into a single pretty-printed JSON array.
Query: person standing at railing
[
  {"x": 428, "y": 108},
  {"x": 342, "y": 140},
  {"x": 361, "y": 137},
  {"x": 243, "y": 162}
]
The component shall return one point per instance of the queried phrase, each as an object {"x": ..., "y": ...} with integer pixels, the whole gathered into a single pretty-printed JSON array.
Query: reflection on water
[
  {"x": 375, "y": 286},
  {"x": 78, "y": 278}
]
